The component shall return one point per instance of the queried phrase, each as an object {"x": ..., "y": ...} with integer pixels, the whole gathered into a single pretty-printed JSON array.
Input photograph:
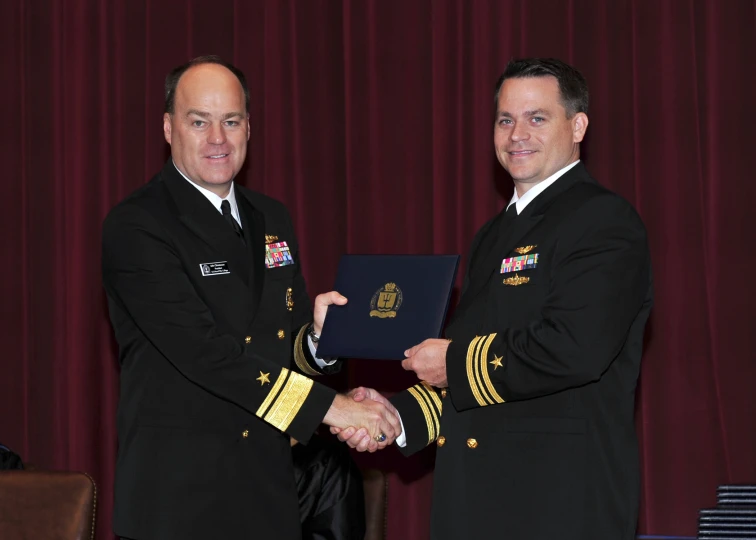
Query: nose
[
  {"x": 519, "y": 132},
  {"x": 216, "y": 134}
]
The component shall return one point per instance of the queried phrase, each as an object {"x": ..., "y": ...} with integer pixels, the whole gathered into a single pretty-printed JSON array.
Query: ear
[
  {"x": 249, "y": 130},
  {"x": 167, "y": 127},
  {"x": 579, "y": 125}
]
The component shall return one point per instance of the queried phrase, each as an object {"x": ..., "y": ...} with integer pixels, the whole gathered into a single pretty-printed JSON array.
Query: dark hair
[
  {"x": 172, "y": 79},
  {"x": 573, "y": 89}
]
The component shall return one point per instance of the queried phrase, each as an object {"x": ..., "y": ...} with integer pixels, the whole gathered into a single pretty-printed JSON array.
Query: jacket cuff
[
  {"x": 296, "y": 404},
  {"x": 467, "y": 370},
  {"x": 420, "y": 408}
]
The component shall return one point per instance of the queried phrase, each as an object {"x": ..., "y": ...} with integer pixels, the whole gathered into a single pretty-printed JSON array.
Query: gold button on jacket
[
  {"x": 472, "y": 443},
  {"x": 441, "y": 441},
  {"x": 248, "y": 340},
  {"x": 245, "y": 433},
  {"x": 281, "y": 334}
]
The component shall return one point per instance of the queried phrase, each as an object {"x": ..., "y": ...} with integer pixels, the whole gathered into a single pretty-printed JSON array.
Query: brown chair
[
  {"x": 47, "y": 505},
  {"x": 375, "y": 485}
]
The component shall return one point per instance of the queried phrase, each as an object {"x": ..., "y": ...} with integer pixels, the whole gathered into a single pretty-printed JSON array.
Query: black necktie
[
  {"x": 512, "y": 211},
  {"x": 226, "y": 210}
]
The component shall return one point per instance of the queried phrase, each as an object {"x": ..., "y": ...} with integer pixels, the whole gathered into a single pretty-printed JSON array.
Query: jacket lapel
[
  {"x": 203, "y": 220},
  {"x": 253, "y": 223},
  {"x": 502, "y": 238},
  {"x": 486, "y": 262}
]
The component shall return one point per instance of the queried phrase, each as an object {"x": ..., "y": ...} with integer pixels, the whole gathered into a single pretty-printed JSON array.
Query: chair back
[{"x": 47, "y": 505}]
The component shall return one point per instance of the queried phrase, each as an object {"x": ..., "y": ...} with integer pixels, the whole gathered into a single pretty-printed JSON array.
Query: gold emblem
[
  {"x": 289, "y": 299},
  {"x": 496, "y": 362},
  {"x": 270, "y": 238},
  {"x": 386, "y": 301},
  {"x": 263, "y": 378},
  {"x": 525, "y": 249},
  {"x": 516, "y": 280}
]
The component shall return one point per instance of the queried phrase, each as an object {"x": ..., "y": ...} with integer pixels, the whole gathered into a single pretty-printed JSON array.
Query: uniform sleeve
[
  {"x": 599, "y": 280},
  {"x": 144, "y": 275},
  {"x": 420, "y": 408},
  {"x": 304, "y": 361}
]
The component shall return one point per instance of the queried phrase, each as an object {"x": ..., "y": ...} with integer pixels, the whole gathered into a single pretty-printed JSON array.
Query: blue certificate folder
[{"x": 395, "y": 302}]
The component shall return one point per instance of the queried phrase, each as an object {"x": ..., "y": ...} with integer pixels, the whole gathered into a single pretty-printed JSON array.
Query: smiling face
[
  {"x": 209, "y": 127},
  {"x": 533, "y": 137}
]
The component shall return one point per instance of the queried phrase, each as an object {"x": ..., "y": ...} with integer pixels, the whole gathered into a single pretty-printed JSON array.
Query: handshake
[
  {"x": 378, "y": 420},
  {"x": 366, "y": 420}
]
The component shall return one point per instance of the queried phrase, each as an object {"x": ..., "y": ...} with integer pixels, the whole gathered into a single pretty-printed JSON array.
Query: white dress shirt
[
  {"x": 214, "y": 199},
  {"x": 537, "y": 189}
]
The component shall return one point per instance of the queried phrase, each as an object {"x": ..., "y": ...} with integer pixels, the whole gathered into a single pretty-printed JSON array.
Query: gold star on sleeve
[
  {"x": 263, "y": 378},
  {"x": 496, "y": 362}
]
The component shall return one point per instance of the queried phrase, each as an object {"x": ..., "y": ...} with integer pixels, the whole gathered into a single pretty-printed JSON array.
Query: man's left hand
[
  {"x": 322, "y": 301},
  {"x": 428, "y": 361}
]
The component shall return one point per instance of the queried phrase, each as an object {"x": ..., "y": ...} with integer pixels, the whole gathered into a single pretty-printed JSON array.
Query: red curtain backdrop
[{"x": 372, "y": 120}]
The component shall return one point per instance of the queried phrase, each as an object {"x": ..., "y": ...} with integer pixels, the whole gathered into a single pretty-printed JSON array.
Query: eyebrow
[
  {"x": 536, "y": 112},
  {"x": 203, "y": 114}
]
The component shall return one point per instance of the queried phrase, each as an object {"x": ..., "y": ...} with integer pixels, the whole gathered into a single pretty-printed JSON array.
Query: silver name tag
[{"x": 214, "y": 268}]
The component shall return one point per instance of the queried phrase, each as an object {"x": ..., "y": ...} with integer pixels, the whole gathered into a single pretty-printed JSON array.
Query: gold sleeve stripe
[
  {"x": 469, "y": 366},
  {"x": 471, "y": 352},
  {"x": 482, "y": 345},
  {"x": 433, "y": 395},
  {"x": 480, "y": 359},
  {"x": 426, "y": 413},
  {"x": 273, "y": 392},
  {"x": 289, "y": 402},
  {"x": 299, "y": 357},
  {"x": 484, "y": 369},
  {"x": 425, "y": 391},
  {"x": 430, "y": 418}
]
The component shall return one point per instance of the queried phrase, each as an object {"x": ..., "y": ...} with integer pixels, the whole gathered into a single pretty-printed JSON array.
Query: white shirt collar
[
  {"x": 537, "y": 189},
  {"x": 214, "y": 199}
]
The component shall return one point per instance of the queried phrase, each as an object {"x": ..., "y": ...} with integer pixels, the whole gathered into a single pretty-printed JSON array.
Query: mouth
[
  {"x": 521, "y": 153},
  {"x": 217, "y": 157}
]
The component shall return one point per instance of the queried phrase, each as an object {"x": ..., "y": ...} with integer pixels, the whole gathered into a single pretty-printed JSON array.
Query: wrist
[
  {"x": 314, "y": 334},
  {"x": 335, "y": 414}
]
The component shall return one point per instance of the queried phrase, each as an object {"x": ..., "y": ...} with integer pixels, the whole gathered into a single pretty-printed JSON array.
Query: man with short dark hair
[
  {"x": 216, "y": 335},
  {"x": 537, "y": 376}
]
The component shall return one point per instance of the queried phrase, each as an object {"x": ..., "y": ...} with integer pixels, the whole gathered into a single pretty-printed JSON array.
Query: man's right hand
[
  {"x": 372, "y": 416},
  {"x": 357, "y": 437}
]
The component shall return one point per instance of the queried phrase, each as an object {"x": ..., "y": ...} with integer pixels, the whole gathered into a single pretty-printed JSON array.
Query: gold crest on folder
[{"x": 386, "y": 301}]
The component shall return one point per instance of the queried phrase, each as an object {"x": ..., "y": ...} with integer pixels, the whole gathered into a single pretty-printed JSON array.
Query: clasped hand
[
  {"x": 375, "y": 417},
  {"x": 364, "y": 438}
]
